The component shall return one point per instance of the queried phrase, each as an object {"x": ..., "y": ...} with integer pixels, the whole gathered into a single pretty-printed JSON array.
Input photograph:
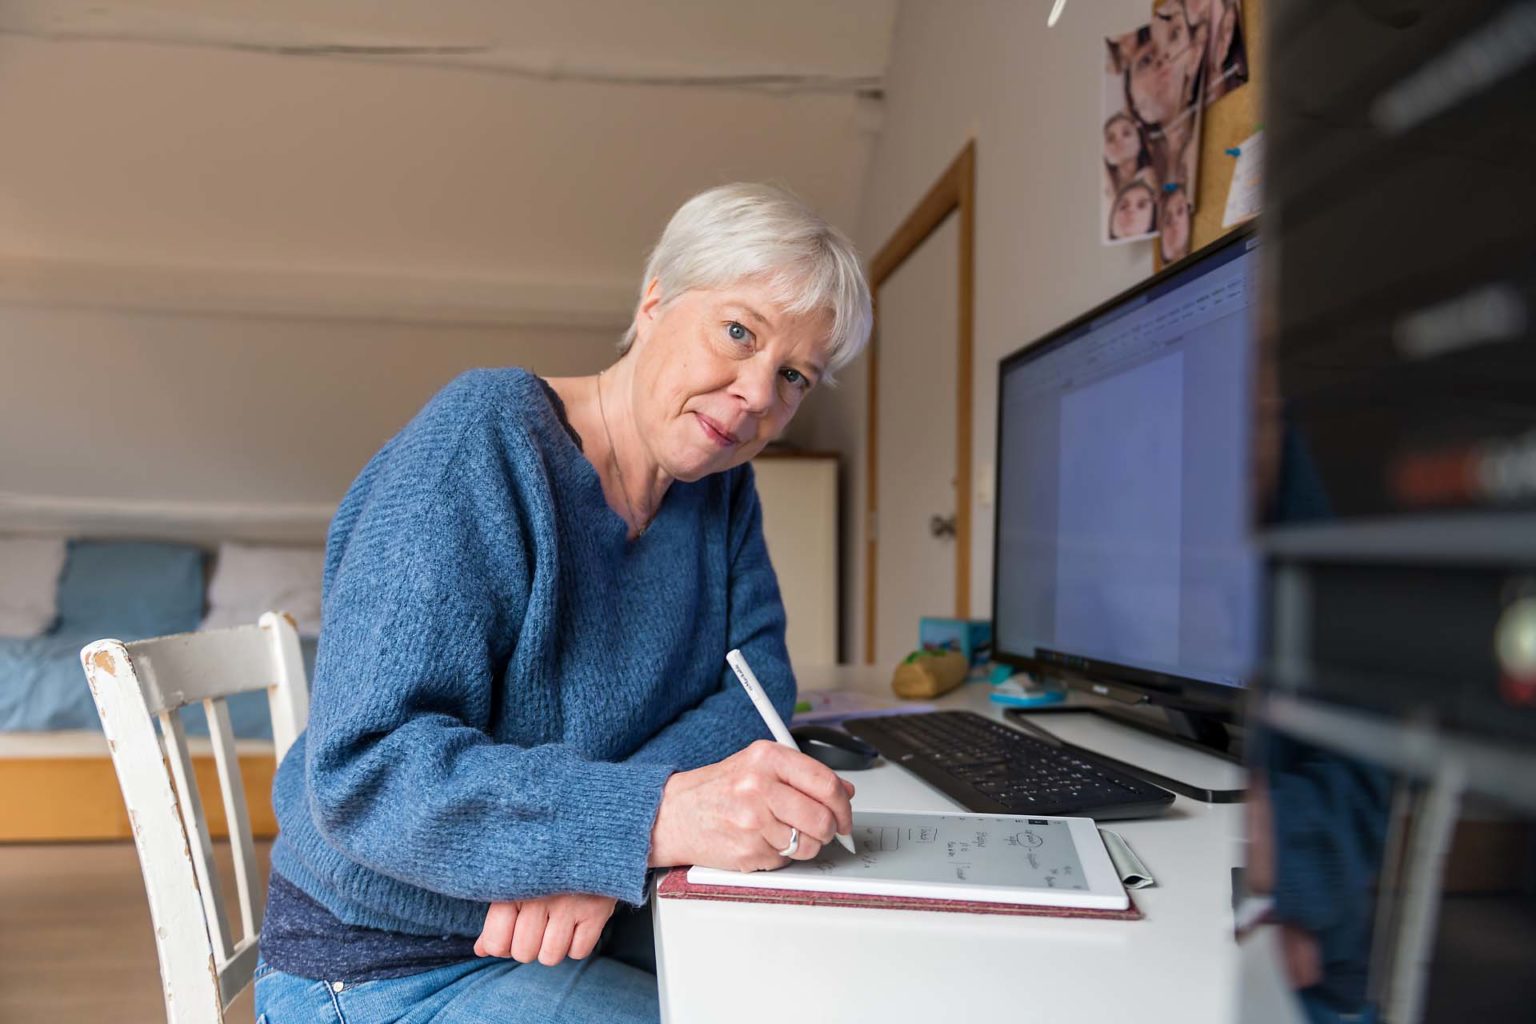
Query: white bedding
[
  {"x": 251, "y": 579},
  {"x": 29, "y": 584}
]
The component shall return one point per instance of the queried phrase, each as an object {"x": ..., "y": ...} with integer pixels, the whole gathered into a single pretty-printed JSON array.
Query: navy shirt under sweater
[{"x": 504, "y": 683}]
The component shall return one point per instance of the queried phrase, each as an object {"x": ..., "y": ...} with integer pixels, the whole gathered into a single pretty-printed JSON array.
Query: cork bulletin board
[{"x": 1227, "y": 123}]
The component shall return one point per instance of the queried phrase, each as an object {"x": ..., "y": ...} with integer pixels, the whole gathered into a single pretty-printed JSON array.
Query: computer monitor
[{"x": 1122, "y": 553}]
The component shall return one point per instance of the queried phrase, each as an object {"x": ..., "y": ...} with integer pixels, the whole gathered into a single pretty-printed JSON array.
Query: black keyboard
[{"x": 990, "y": 768}]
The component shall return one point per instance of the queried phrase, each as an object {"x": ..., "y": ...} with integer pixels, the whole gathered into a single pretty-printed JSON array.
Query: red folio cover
[{"x": 676, "y": 886}]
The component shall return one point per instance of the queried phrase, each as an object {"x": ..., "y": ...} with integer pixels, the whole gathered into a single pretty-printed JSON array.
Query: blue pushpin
[
  {"x": 1234, "y": 151},
  {"x": 1170, "y": 186}
]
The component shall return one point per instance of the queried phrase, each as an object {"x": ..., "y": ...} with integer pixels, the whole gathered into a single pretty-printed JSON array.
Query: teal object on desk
[{"x": 1016, "y": 695}]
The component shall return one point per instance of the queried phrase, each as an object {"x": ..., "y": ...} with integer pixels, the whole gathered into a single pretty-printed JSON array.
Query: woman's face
[
  {"x": 1121, "y": 144},
  {"x": 1132, "y": 215},
  {"x": 720, "y": 372},
  {"x": 1173, "y": 226},
  {"x": 1163, "y": 70}
]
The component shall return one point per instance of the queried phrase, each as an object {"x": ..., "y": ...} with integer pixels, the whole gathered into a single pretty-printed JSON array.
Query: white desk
[{"x": 792, "y": 965}]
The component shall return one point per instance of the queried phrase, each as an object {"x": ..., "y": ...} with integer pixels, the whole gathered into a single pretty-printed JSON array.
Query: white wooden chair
[{"x": 203, "y": 967}]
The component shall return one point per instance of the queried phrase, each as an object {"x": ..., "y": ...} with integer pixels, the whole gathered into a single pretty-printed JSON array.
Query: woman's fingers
[
  {"x": 557, "y": 939},
  {"x": 528, "y": 935},
  {"x": 584, "y": 940},
  {"x": 806, "y": 847},
  {"x": 773, "y": 841},
  {"x": 818, "y": 782},
  {"x": 793, "y": 808},
  {"x": 496, "y": 935},
  {"x": 548, "y": 929},
  {"x": 798, "y": 793}
]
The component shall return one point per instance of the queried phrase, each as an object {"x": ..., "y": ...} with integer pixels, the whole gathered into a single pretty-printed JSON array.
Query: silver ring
[{"x": 794, "y": 843}]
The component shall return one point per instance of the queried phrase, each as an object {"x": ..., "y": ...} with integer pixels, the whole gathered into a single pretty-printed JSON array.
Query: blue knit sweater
[{"x": 504, "y": 681}]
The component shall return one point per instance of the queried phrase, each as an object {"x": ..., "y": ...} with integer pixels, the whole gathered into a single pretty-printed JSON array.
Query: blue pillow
[{"x": 130, "y": 590}]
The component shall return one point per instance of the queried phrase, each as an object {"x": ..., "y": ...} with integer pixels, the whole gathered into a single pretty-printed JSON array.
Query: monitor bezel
[{"x": 1127, "y": 683}]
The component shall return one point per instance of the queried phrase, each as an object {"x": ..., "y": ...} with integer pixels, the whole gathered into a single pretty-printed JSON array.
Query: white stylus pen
[{"x": 765, "y": 708}]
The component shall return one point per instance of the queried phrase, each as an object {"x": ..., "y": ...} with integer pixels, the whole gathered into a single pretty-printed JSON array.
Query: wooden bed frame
[{"x": 60, "y": 786}]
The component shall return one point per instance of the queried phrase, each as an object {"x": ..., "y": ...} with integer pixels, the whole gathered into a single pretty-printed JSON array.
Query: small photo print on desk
[{"x": 1056, "y": 862}]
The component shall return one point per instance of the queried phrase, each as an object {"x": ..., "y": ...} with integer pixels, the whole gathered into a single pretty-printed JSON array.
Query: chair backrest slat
[
  {"x": 202, "y": 967},
  {"x": 288, "y": 692},
  {"x": 238, "y": 972},
  {"x": 236, "y": 814},
  {"x": 190, "y": 667},
  {"x": 195, "y": 822}
]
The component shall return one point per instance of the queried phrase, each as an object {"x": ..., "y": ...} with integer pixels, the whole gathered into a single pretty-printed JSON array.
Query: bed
[{"x": 55, "y": 766}]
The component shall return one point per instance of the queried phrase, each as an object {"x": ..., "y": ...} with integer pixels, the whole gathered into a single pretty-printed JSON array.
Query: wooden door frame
[{"x": 954, "y": 192}]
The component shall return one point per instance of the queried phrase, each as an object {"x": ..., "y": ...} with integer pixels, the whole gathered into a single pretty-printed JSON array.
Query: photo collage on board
[{"x": 1158, "y": 78}]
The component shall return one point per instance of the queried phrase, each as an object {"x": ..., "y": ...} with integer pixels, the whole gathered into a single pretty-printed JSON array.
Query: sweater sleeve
[
  {"x": 421, "y": 611},
  {"x": 725, "y": 721}
]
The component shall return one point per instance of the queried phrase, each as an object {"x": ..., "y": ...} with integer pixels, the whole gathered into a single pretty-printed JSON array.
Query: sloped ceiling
[{"x": 494, "y": 161}]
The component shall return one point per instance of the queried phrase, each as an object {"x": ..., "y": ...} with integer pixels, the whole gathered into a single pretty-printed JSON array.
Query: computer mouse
[{"x": 834, "y": 748}]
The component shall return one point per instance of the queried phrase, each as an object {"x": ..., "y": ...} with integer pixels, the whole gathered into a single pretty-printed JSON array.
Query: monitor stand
[{"x": 1184, "y": 754}]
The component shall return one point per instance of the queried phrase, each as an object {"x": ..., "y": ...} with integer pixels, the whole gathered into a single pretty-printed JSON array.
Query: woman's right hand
[
  {"x": 548, "y": 929},
  {"x": 737, "y": 814}
]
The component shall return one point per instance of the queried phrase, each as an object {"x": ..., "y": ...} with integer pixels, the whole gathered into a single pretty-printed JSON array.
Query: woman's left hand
[{"x": 547, "y": 929}]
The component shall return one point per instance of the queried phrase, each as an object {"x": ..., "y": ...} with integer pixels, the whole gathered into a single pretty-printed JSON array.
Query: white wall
[
  {"x": 1029, "y": 96},
  {"x": 200, "y": 167},
  {"x": 124, "y": 419},
  {"x": 235, "y": 256}
]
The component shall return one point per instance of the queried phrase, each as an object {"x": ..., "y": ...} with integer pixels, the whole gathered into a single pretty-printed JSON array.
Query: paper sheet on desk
[{"x": 829, "y": 707}]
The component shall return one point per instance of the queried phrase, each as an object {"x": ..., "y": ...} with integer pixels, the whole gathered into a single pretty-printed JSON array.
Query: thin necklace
[{"x": 613, "y": 456}]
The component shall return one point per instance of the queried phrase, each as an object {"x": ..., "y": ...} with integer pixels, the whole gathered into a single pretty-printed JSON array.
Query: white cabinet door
[{"x": 799, "y": 498}]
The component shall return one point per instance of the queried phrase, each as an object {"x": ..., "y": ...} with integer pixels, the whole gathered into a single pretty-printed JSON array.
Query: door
[
  {"x": 917, "y": 483},
  {"x": 915, "y": 491}
]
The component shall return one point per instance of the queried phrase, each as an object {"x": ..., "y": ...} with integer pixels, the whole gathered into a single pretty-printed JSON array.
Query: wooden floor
[{"x": 75, "y": 938}]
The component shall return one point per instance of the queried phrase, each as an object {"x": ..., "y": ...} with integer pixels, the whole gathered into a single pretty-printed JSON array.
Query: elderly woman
[{"x": 521, "y": 703}]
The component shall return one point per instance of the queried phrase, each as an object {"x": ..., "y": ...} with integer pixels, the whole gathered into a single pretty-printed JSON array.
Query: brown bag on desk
[{"x": 925, "y": 674}]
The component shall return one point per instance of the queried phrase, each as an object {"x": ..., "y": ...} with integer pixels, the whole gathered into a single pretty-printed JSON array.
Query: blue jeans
[
  {"x": 473, "y": 992},
  {"x": 616, "y": 983}
]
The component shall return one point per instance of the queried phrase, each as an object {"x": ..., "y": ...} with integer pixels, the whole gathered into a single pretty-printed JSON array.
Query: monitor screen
[{"x": 1123, "y": 543}]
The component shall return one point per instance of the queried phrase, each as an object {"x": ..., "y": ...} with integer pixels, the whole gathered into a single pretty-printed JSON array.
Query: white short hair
[{"x": 735, "y": 232}]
